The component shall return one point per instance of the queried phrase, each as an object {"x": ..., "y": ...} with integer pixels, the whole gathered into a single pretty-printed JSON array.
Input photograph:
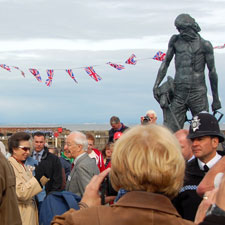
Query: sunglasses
[{"x": 25, "y": 148}]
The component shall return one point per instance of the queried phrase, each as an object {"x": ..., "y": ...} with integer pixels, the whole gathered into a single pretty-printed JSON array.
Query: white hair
[
  {"x": 80, "y": 138},
  {"x": 152, "y": 112}
]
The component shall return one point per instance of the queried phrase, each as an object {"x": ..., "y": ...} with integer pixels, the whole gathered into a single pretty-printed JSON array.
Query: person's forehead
[
  {"x": 151, "y": 115},
  {"x": 39, "y": 138}
]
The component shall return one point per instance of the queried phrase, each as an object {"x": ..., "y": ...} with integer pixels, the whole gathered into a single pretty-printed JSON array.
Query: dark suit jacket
[
  {"x": 51, "y": 168},
  {"x": 81, "y": 174}
]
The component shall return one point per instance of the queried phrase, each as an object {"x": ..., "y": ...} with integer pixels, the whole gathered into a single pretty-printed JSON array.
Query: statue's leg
[
  {"x": 198, "y": 101},
  {"x": 177, "y": 113}
]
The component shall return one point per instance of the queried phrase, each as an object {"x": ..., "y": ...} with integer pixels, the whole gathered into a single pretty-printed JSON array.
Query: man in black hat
[{"x": 204, "y": 132}]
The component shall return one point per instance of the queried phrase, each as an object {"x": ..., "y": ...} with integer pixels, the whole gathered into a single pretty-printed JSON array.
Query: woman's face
[
  {"x": 108, "y": 153},
  {"x": 22, "y": 152}
]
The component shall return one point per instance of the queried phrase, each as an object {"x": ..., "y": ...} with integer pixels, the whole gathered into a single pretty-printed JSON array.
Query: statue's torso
[{"x": 189, "y": 62}]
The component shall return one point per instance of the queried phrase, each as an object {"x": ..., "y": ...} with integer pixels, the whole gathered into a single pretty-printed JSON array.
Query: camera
[
  {"x": 146, "y": 120},
  {"x": 106, "y": 189}
]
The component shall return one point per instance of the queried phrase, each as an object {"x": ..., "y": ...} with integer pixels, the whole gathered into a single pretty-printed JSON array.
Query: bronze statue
[{"x": 192, "y": 54}]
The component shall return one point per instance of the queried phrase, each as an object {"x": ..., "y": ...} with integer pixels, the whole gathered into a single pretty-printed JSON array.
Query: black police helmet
[{"x": 205, "y": 124}]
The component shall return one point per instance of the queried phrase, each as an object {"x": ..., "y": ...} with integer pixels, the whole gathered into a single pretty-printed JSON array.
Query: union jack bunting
[
  {"x": 116, "y": 66},
  {"x": 131, "y": 60},
  {"x": 36, "y": 74},
  {"x": 50, "y": 74},
  {"x": 160, "y": 56},
  {"x": 92, "y": 73},
  {"x": 220, "y": 47},
  {"x": 16, "y": 67},
  {"x": 5, "y": 67},
  {"x": 70, "y": 72}
]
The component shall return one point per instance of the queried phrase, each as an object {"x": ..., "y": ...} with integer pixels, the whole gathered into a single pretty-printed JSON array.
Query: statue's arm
[
  {"x": 164, "y": 66},
  {"x": 213, "y": 78}
]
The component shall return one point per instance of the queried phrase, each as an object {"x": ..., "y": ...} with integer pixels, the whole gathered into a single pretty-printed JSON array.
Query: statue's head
[{"x": 186, "y": 25}]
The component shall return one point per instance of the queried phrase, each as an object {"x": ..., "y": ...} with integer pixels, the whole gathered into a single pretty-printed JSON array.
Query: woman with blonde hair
[{"x": 148, "y": 165}]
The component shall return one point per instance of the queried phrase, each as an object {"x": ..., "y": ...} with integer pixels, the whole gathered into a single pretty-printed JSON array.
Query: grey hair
[
  {"x": 80, "y": 139},
  {"x": 152, "y": 112}
]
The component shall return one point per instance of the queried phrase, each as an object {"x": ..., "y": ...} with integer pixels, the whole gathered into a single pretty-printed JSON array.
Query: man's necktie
[
  {"x": 37, "y": 156},
  {"x": 206, "y": 168}
]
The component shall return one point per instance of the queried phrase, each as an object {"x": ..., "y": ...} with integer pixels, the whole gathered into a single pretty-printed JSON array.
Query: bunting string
[{"x": 132, "y": 60}]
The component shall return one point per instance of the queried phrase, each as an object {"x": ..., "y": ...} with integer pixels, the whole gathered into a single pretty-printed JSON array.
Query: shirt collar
[{"x": 211, "y": 163}]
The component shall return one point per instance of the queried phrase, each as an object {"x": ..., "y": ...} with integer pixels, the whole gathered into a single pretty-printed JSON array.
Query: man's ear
[{"x": 215, "y": 141}]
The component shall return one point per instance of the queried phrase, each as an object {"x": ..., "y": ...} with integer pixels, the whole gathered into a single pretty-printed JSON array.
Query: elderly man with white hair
[
  {"x": 84, "y": 168},
  {"x": 150, "y": 118}
]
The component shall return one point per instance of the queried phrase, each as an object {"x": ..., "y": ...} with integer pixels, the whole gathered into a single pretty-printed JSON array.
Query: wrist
[{"x": 83, "y": 205}]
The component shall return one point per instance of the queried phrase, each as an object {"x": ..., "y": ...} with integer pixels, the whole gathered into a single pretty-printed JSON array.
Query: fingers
[{"x": 98, "y": 179}]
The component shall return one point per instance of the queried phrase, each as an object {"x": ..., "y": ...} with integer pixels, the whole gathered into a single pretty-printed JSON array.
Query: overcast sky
[{"x": 59, "y": 35}]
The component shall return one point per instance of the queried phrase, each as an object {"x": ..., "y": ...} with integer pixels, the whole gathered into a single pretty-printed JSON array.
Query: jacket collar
[{"x": 147, "y": 200}]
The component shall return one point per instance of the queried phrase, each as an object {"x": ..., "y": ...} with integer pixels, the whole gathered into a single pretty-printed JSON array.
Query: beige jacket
[{"x": 26, "y": 188}]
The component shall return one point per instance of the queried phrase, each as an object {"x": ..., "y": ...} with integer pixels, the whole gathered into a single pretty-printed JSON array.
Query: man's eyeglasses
[{"x": 24, "y": 148}]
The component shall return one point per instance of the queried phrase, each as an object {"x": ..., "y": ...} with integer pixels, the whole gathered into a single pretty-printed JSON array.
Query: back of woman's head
[{"x": 148, "y": 158}]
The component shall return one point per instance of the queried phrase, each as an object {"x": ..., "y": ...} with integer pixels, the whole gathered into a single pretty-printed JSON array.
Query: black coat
[{"x": 50, "y": 166}]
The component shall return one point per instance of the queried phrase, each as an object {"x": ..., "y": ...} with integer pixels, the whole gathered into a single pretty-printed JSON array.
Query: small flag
[
  {"x": 36, "y": 74},
  {"x": 70, "y": 72},
  {"x": 116, "y": 66},
  {"x": 50, "y": 74},
  {"x": 160, "y": 56},
  {"x": 92, "y": 73},
  {"x": 16, "y": 67},
  {"x": 131, "y": 60},
  {"x": 220, "y": 47},
  {"x": 5, "y": 67}
]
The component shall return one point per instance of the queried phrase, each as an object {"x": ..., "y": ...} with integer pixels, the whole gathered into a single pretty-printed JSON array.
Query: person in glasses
[{"x": 27, "y": 185}]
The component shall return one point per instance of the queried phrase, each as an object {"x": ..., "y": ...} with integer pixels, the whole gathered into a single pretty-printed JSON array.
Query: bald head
[{"x": 185, "y": 143}]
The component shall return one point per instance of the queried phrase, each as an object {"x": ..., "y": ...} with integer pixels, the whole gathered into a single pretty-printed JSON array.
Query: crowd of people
[{"x": 157, "y": 177}]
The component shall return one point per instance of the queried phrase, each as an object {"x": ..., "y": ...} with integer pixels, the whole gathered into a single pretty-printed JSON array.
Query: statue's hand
[
  {"x": 156, "y": 93},
  {"x": 216, "y": 105}
]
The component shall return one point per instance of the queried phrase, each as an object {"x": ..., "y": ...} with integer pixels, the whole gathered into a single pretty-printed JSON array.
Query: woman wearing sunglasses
[{"x": 27, "y": 185}]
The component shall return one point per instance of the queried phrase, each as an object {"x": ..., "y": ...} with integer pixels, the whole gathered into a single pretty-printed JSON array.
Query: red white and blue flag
[
  {"x": 131, "y": 60},
  {"x": 116, "y": 66},
  {"x": 92, "y": 73},
  {"x": 220, "y": 47},
  {"x": 5, "y": 67},
  {"x": 50, "y": 74},
  {"x": 160, "y": 56},
  {"x": 36, "y": 74},
  {"x": 16, "y": 67},
  {"x": 70, "y": 72}
]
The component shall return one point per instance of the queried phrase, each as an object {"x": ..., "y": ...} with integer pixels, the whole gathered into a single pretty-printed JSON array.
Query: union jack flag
[
  {"x": 70, "y": 72},
  {"x": 5, "y": 67},
  {"x": 160, "y": 56},
  {"x": 220, "y": 47},
  {"x": 16, "y": 67},
  {"x": 36, "y": 74},
  {"x": 92, "y": 73},
  {"x": 131, "y": 60},
  {"x": 50, "y": 74},
  {"x": 116, "y": 66}
]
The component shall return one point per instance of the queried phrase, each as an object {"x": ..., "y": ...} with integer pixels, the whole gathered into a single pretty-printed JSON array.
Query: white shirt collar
[{"x": 211, "y": 163}]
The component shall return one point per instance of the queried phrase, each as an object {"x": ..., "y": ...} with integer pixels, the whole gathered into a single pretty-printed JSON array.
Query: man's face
[
  {"x": 90, "y": 146},
  {"x": 116, "y": 126},
  {"x": 185, "y": 146},
  {"x": 39, "y": 143},
  {"x": 72, "y": 147},
  {"x": 152, "y": 118},
  {"x": 204, "y": 147}
]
